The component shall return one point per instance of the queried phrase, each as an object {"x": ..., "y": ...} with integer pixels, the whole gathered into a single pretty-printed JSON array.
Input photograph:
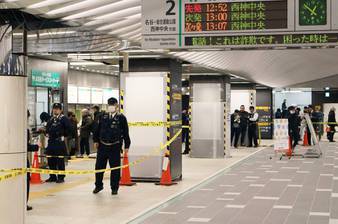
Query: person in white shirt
[{"x": 253, "y": 122}]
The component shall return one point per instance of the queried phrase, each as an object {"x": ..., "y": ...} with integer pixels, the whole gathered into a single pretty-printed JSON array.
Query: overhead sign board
[
  {"x": 175, "y": 24},
  {"x": 46, "y": 79}
]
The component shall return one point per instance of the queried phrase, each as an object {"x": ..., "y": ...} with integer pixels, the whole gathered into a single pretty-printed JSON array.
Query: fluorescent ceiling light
[
  {"x": 132, "y": 33},
  {"x": 114, "y": 7},
  {"x": 135, "y": 37},
  {"x": 129, "y": 20},
  {"x": 126, "y": 29},
  {"x": 122, "y": 14},
  {"x": 79, "y": 63},
  {"x": 78, "y": 6},
  {"x": 46, "y": 3}
]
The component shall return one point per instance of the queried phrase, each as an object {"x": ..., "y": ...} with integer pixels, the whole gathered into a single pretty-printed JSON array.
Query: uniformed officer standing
[
  {"x": 110, "y": 133},
  {"x": 57, "y": 130},
  {"x": 253, "y": 120}
]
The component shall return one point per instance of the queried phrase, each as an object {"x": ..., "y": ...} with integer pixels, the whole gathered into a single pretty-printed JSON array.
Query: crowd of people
[
  {"x": 244, "y": 124},
  {"x": 298, "y": 126}
]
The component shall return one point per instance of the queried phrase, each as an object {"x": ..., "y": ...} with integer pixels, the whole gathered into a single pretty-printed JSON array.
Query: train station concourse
[{"x": 168, "y": 111}]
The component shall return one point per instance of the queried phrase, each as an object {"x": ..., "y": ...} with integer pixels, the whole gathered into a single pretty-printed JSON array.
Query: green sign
[{"x": 45, "y": 79}]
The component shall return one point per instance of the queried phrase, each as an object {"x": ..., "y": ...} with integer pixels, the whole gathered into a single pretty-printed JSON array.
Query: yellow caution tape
[
  {"x": 17, "y": 172},
  {"x": 154, "y": 124},
  {"x": 12, "y": 174}
]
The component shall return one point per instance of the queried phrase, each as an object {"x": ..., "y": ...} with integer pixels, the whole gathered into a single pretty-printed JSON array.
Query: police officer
[
  {"x": 57, "y": 130},
  {"x": 244, "y": 123},
  {"x": 252, "y": 132},
  {"x": 110, "y": 132}
]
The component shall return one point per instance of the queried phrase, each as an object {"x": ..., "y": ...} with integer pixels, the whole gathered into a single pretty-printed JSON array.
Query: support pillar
[{"x": 13, "y": 124}]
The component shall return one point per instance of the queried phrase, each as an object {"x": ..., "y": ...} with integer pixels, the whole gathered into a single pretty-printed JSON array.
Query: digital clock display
[{"x": 222, "y": 16}]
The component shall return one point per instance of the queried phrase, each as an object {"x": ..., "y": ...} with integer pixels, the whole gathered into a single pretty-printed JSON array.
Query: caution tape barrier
[
  {"x": 154, "y": 124},
  {"x": 17, "y": 172}
]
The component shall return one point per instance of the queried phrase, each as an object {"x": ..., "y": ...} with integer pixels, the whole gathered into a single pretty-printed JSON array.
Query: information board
[
  {"x": 84, "y": 95},
  {"x": 174, "y": 24},
  {"x": 281, "y": 134},
  {"x": 97, "y": 95},
  {"x": 72, "y": 94}
]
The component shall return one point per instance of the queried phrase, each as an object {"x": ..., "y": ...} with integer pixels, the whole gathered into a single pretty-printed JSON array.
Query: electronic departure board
[
  {"x": 259, "y": 15},
  {"x": 175, "y": 24}
]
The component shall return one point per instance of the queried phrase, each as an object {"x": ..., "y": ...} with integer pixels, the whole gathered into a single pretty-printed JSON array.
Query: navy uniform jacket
[
  {"x": 58, "y": 129},
  {"x": 111, "y": 130}
]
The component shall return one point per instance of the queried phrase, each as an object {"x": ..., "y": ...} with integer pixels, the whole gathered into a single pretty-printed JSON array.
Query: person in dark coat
[
  {"x": 235, "y": 128},
  {"x": 244, "y": 116},
  {"x": 110, "y": 133},
  {"x": 278, "y": 114},
  {"x": 73, "y": 138},
  {"x": 85, "y": 129},
  {"x": 293, "y": 126},
  {"x": 58, "y": 128},
  {"x": 332, "y": 124},
  {"x": 185, "y": 132},
  {"x": 30, "y": 148}
]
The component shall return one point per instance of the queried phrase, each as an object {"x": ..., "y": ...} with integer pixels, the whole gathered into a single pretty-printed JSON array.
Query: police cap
[
  {"x": 112, "y": 101},
  {"x": 57, "y": 106}
]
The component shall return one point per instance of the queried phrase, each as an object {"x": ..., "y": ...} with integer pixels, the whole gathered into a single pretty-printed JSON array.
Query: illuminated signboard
[
  {"x": 174, "y": 24},
  {"x": 200, "y": 17}
]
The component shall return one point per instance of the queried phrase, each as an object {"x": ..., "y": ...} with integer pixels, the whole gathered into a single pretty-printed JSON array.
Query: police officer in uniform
[
  {"x": 110, "y": 132},
  {"x": 57, "y": 130},
  {"x": 252, "y": 132}
]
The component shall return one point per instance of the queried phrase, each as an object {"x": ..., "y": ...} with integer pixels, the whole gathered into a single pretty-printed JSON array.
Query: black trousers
[
  {"x": 309, "y": 136},
  {"x": 294, "y": 138},
  {"x": 243, "y": 134},
  {"x": 185, "y": 134},
  {"x": 28, "y": 180},
  {"x": 236, "y": 133},
  {"x": 112, "y": 154},
  {"x": 252, "y": 132},
  {"x": 330, "y": 135},
  {"x": 56, "y": 164},
  {"x": 185, "y": 138},
  {"x": 84, "y": 146}
]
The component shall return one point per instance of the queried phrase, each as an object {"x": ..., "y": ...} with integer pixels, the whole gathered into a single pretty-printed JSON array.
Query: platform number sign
[
  {"x": 312, "y": 12},
  {"x": 171, "y": 6}
]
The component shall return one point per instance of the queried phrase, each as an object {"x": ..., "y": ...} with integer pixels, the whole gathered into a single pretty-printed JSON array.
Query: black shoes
[
  {"x": 29, "y": 208},
  {"x": 97, "y": 190},
  {"x": 60, "y": 181},
  {"x": 51, "y": 180}
]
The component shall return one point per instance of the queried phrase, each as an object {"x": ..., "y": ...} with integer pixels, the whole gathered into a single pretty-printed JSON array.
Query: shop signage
[
  {"x": 176, "y": 24},
  {"x": 46, "y": 79}
]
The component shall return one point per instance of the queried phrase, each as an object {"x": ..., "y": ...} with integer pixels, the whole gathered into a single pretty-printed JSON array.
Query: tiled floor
[
  {"x": 261, "y": 190},
  {"x": 73, "y": 201}
]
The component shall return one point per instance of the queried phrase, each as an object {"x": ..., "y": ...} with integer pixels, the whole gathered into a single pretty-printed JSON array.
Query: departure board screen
[
  {"x": 256, "y": 40},
  {"x": 235, "y": 16}
]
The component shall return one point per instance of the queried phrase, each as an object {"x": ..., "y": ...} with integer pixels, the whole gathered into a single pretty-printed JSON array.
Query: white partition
[
  {"x": 207, "y": 121},
  {"x": 145, "y": 100}
]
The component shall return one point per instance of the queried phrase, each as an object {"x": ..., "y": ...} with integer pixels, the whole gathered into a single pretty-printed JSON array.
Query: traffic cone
[
  {"x": 289, "y": 152},
  {"x": 35, "y": 177},
  {"x": 166, "y": 175},
  {"x": 305, "y": 139},
  {"x": 126, "y": 179}
]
